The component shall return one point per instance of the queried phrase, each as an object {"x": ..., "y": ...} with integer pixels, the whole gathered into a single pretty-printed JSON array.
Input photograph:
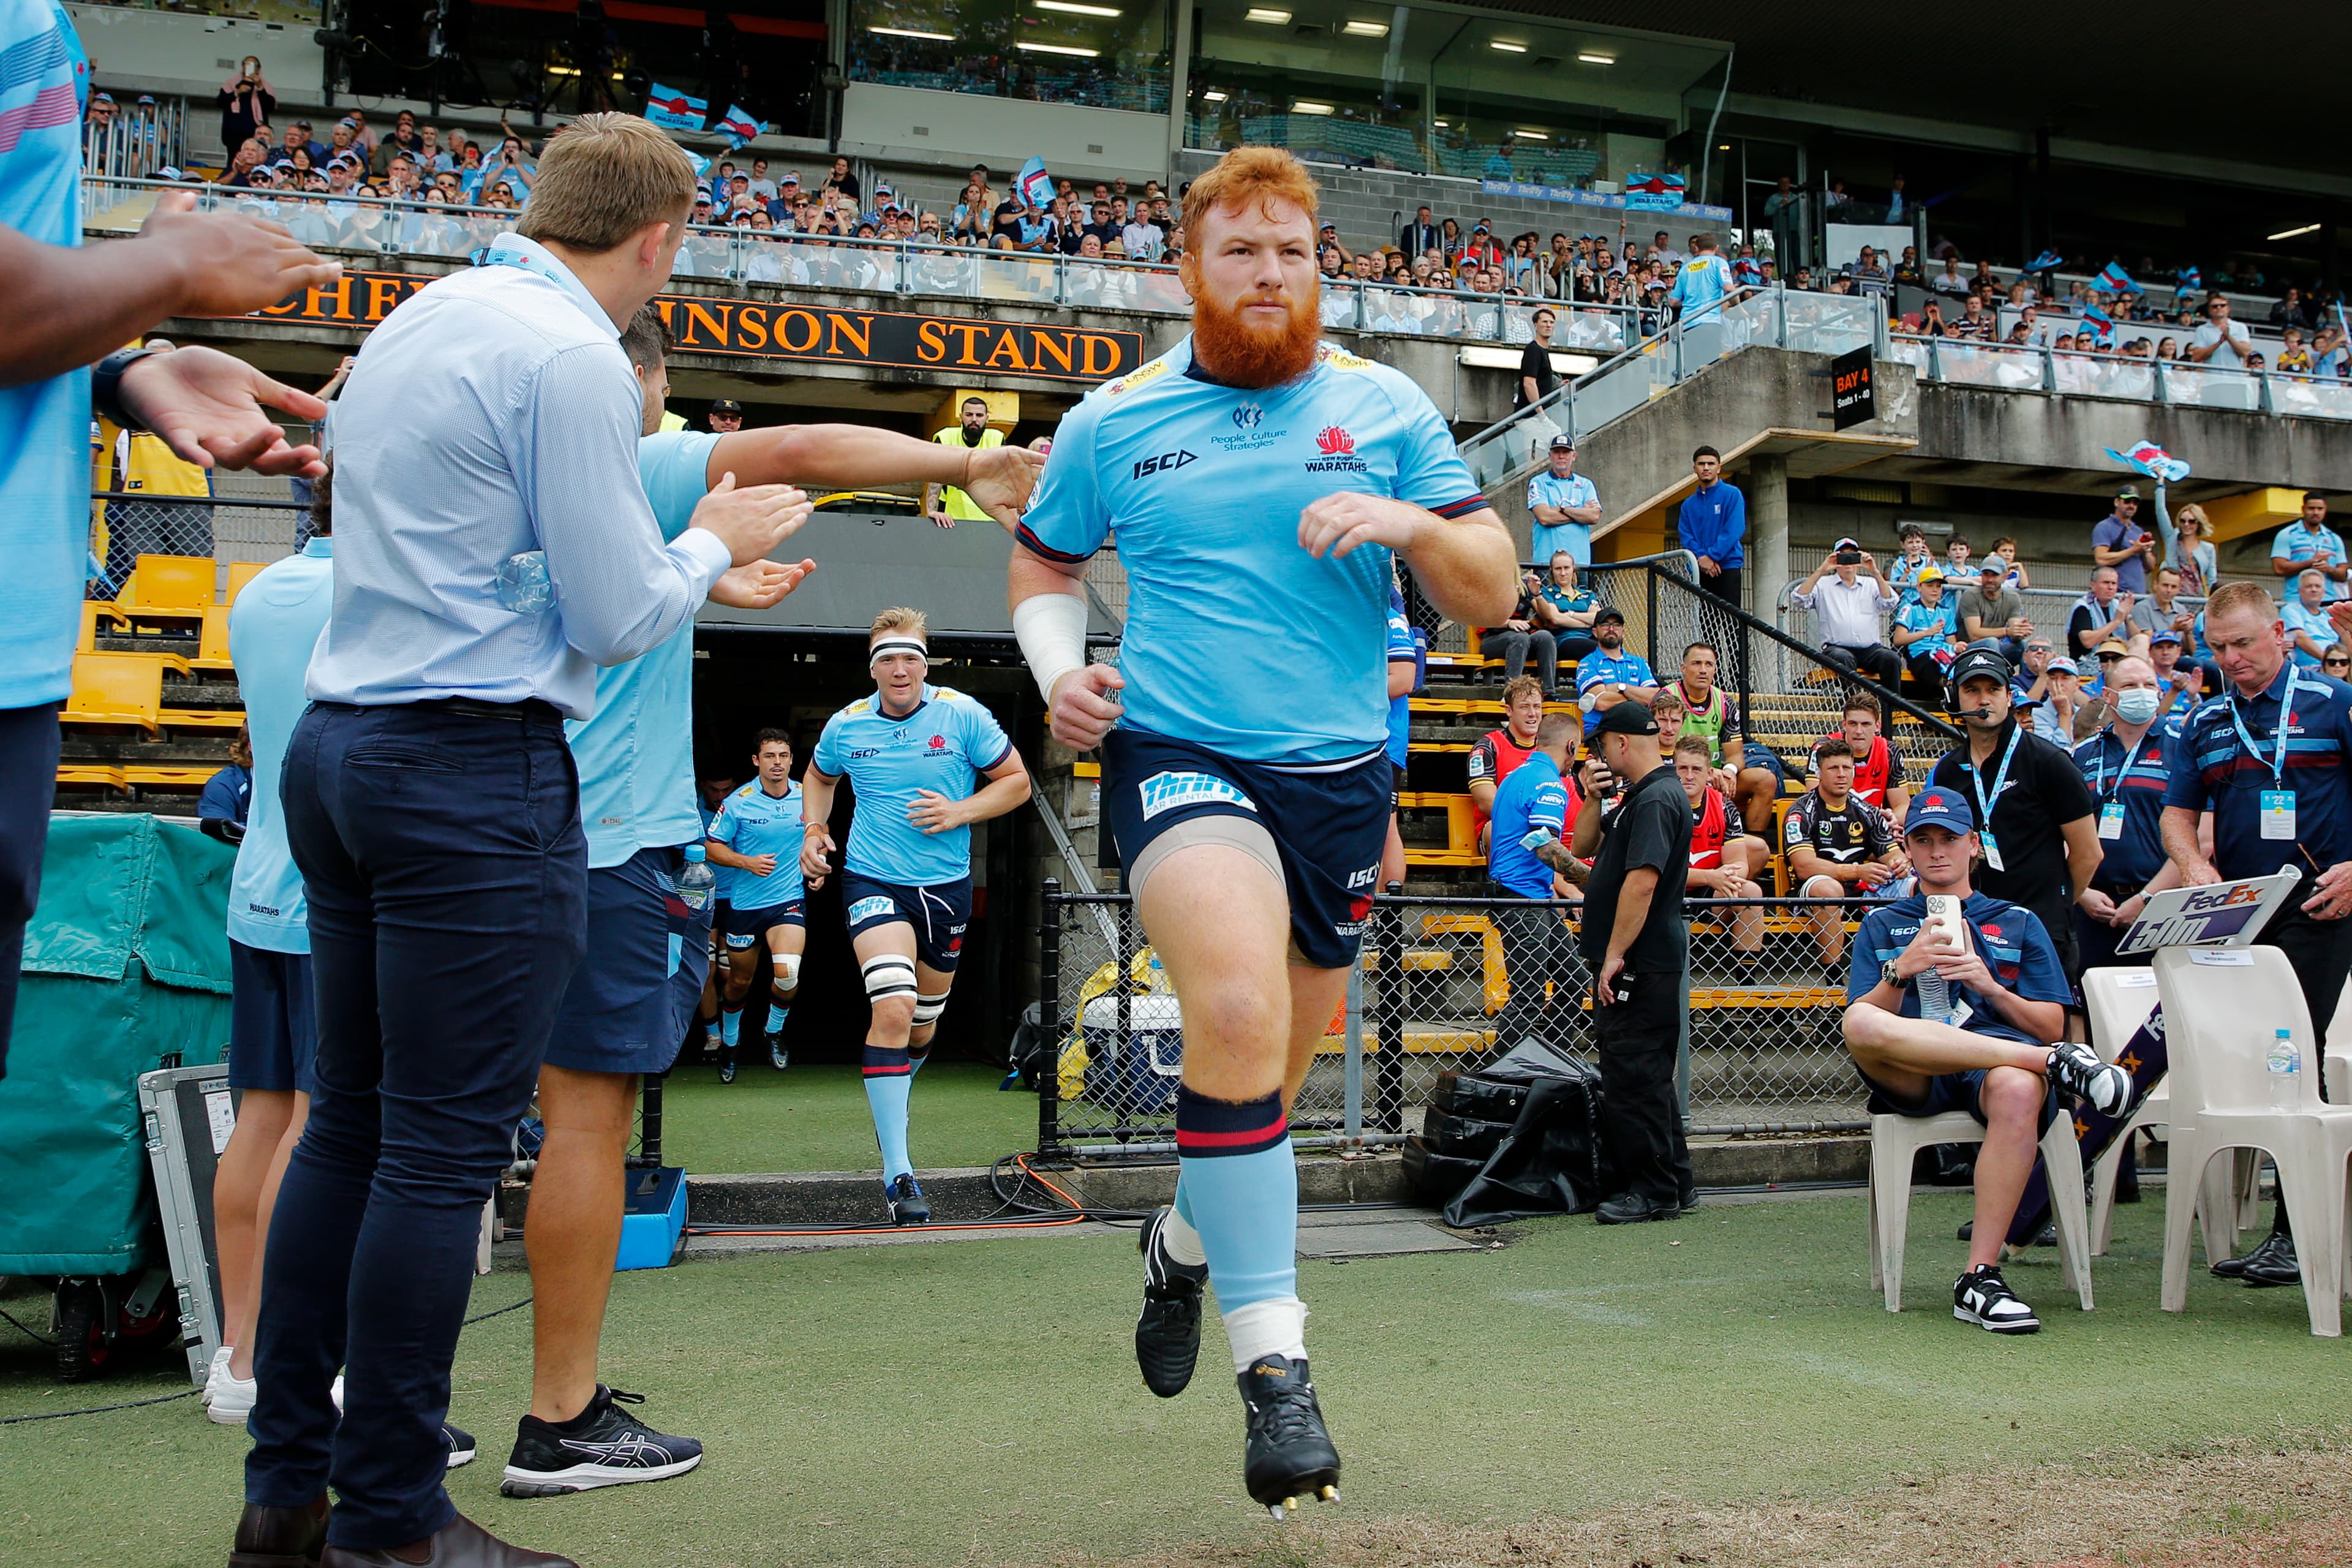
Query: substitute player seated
[
  {"x": 1937, "y": 1023},
  {"x": 1244, "y": 783},
  {"x": 1721, "y": 866},
  {"x": 911, "y": 753},
  {"x": 755, "y": 842}
]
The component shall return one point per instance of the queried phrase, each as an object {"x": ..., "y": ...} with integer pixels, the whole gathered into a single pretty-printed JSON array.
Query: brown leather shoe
[
  {"x": 280, "y": 1537},
  {"x": 461, "y": 1543}
]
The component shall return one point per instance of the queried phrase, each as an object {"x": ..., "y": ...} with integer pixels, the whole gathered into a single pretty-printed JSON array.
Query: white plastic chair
[
  {"x": 2119, "y": 1000},
  {"x": 2221, "y": 1008},
  {"x": 2338, "y": 1069},
  {"x": 1896, "y": 1140}
]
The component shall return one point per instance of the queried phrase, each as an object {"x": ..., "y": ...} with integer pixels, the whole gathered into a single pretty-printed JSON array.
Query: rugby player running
[
  {"x": 1243, "y": 773},
  {"x": 755, "y": 841},
  {"x": 911, "y": 753}
]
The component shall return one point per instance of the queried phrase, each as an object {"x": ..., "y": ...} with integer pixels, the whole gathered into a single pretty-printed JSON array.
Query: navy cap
[
  {"x": 1936, "y": 807},
  {"x": 2167, "y": 634},
  {"x": 1627, "y": 719}
]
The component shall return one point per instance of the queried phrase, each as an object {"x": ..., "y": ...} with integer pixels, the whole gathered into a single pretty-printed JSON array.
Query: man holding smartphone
[{"x": 1636, "y": 942}]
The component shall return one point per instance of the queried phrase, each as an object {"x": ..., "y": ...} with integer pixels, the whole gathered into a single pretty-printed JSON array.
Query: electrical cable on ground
[
  {"x": 37, "y": 1339},
  {"x": 1012, "y": 1212}
]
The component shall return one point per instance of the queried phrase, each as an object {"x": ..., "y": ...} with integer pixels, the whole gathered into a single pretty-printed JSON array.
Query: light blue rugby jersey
[
  {"x": 635, "y": 753},
  {"x": 753, "y": 822},
  {"x": 1236, "y": 638},
  {"x": 941, "y": 746},
  {"x": 271, "y": 634}
]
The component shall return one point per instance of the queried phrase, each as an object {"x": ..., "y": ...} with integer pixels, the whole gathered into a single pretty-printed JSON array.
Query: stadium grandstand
[{"x": 1862, "y": 356}]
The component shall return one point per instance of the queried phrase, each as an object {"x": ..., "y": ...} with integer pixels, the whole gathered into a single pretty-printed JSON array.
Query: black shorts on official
[
  {"x": 1946, "y": 1092},
  {"x": 1326, "y": 823},
  {"x": 641, "y": 979},
  {"x": 273, "y": 1031},
  {"x": 938, "y": 914},
  {"x": 746, "y": 929}
]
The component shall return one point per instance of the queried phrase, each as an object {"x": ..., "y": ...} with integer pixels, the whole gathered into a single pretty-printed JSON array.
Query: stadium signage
[
  {"x": 1851, "y": 383},
  {"x": 761, "y": 329}
]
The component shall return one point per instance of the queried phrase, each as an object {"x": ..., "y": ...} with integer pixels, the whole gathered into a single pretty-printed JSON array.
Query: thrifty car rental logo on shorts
[
  {"x": 866, "y": 908},
  {"x": 1171, "y": 792},
  {"x": 1338, "y": 450}
]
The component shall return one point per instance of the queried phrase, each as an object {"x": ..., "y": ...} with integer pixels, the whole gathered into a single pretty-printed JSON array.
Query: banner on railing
[{"x": 761, "y": 329}]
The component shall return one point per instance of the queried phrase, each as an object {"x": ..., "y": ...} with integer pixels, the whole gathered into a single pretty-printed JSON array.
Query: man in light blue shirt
[
  {"x": 1565, "y": 507},
  {"x": 1610, "y": 673},
  {"x": 1703, "y": 284},
  {"x": 910, "y": 751},
  {"x": 69, "y": 305},
  {"x": 272, "y": 1033},
  {"x": 496, "y": 545},
  {"x": 2309, "y": 541}
]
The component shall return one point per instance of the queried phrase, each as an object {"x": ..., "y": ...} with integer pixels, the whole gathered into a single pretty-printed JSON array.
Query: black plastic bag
[
  {"x": 1550, "y": 1164},
  {"x": 1465, "y": 1137},
  {"x": 1475, "y": 1094},
  {"x": 1437, "y": 1177}
]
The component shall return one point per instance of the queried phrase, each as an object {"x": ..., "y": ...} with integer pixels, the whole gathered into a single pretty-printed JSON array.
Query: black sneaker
[
  {"x": 1167, "y": 1331},
  {"x": 908, "y": 1205},
  {"x": 1983, "y": 1298},
  {"x": 779, "y": 1057},
  {"x": 603, "y": 1446},
  {"x": 1286, "y": 1453},
  {"x": 461, "y": 1445},
  {"x": 726, "y": 1064},
  {"x": 1633, "y": 1208},
  {"x": 2102, "y": 1086}
]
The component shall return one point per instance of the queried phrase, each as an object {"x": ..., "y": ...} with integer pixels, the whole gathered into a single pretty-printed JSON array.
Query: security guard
[
  {"x": 2272, "y": 759},
  {"x": 945, "y": 504}
]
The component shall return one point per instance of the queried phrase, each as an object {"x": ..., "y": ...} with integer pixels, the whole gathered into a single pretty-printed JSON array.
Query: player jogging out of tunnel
[
  {"x": 1255, "y": 478},
  {"x": 911, "y": 753},
  {"x": 755, "y": 842}
]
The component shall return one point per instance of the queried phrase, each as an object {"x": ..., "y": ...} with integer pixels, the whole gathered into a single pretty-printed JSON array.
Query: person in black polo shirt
[
  {"x": 2281, "y": 795},
  {"x": 1636, "y": 939},
  {"x": 2034, "y": 817}
]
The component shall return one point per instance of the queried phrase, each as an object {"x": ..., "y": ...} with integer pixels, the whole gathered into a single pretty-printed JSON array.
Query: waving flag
[
  {"x": 2099, "y": 324},
  {"x": 1036, "y": 186},
  {"x": 2188, "y": 278},
  {"x": 2048, "y": 261},
  {"x": 674, "y": 111},
  {"x": 2115, "y": 280},
  {"x": 2152, "y": 460},
  {"x": 1654, "y": 193},
  {"x": 739, "y": 126}
]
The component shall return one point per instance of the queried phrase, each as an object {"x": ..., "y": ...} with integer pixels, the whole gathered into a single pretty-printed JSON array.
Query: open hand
[
  {"x": 1000, "y": 481},
  {"x": 758, "y": 585},
  {"x": 230, "y": 264},
  {"x": 752, "y": 520},
  {"x": 207, "y": 407}
]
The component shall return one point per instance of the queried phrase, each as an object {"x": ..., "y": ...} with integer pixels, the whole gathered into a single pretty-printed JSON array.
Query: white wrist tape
[{"x": 1051, "y": 631}]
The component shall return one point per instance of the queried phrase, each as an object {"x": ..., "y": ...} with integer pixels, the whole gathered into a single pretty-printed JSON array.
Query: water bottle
[
  {"x": 524, "y": 586},
  {"x": 2287, "y": 1072},
  {"x": 695, "y": 880}
]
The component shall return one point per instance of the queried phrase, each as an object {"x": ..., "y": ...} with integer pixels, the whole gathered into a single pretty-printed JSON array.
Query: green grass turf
[
  {"x": 977, "y": 1402},
  {"x": 815, "y": 1119}
]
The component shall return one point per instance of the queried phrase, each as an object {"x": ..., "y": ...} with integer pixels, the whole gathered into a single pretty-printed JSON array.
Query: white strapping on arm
[{"x": 1051, "y": 631}]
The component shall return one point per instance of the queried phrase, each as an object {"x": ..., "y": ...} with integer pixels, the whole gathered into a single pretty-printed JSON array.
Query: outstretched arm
[{"x": 854, "y": 457}]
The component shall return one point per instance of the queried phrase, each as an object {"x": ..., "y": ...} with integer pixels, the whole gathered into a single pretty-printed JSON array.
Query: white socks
[
  {"x": 1181, "y": 1242},
  {"x": 1267, "y": 1328}
]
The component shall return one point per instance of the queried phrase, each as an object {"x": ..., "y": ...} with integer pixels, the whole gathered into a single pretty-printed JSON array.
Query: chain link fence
[
  {"x": 1449, "y": 985},
  {"x": 256, "y": 521}
]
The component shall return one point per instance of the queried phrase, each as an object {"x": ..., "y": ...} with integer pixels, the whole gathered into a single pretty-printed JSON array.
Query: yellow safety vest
[
  {"x": 958, "y": 504},
  {"x": 150, "y": 465}
]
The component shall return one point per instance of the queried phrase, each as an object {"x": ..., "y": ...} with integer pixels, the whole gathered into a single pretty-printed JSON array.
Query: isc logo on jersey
[
  {"x": 1171, "y": 791},
  {"x": 1166, "y": 463}
]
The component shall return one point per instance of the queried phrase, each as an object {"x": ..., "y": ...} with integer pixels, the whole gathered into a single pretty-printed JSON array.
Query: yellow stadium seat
[
  {"x": 169, "y": 585},
  {"x": 1460, "y": 830},
  {"x": 80, "y": 773},
  {"x": 240, "y": 572},
  {"x": 95, "y": 614},
  {"x": 212, "y": 647},
  {"x": 159, "y": 777},
  {"x": 117, "y": 689}
]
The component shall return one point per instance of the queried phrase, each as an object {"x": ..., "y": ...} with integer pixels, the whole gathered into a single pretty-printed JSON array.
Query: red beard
[{"x": 1240, "y": 355}]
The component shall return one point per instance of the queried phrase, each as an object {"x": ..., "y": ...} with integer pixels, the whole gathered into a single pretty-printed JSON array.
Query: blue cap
[
  {"x": 2167, "y": 634},
  {"x": 1939, "y": 807}
]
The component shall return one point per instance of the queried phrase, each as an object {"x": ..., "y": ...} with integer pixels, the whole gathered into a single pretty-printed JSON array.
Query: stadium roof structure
[{"x": 2171, "y": 77}]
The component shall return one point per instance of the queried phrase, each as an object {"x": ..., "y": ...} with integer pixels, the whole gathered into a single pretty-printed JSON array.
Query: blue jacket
[{"x": 1713, "y": 522}]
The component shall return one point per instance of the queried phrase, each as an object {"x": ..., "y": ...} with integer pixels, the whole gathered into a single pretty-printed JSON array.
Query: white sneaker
[
  {"x": 232, "y": 1400},
  {"x": 213, "y": 1374}
]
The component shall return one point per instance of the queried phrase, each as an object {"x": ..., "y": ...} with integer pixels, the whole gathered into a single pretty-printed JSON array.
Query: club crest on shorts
[
  {"x": 870, "y": 908},
  {"x": 1173, "y": 791}
]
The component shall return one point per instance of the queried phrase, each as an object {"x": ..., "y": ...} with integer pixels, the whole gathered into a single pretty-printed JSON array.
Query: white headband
[{"x": 897, "y": 644}]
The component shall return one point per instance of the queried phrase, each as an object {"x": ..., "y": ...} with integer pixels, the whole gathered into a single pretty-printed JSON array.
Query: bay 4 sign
[{"x": 761, "y": 329}]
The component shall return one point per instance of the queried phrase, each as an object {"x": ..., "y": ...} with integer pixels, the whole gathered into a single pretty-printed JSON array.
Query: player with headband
[
  {"x": 1243, "y": 777},
  {"x": 910, "y": 751}
]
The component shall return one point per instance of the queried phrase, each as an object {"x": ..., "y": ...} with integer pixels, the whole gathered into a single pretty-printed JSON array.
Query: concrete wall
[
  {"x": 2031, "y": 432},
  {"x": 952, "y": 129}
]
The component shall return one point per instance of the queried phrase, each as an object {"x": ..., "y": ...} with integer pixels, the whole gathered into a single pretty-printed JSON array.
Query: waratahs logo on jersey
[{"x": 1338, "y": 450}]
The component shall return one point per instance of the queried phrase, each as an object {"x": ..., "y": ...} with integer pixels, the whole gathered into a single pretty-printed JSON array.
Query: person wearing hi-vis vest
[
  {"x": 145, "y": 463},
  {"x": 494, "y": 546},
  {"x": 945, "y": 504},
  {"x": 2272, "y": 759}
]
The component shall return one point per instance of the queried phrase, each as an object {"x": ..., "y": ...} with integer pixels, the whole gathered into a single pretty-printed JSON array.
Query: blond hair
[
  {"x": 1261, "y": 174},
  {"x": 605, "y": 178},
  {"x": 900, "y": 618},
  {"x": 2231, "y": 597},
  {"x": 1520, "y": 686}
]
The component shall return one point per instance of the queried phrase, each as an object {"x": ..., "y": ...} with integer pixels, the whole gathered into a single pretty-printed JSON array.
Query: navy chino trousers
[{"x": 447, "y": 879}]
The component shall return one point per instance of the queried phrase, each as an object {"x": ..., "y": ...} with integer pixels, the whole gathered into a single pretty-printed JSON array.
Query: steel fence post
[
  {"x": 1049, "y": 1019},
  {"x": 1352, "y": 1054},
  {"x": 1123, "y": 1009},
  {"x": 1388, "y": 1013}
]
